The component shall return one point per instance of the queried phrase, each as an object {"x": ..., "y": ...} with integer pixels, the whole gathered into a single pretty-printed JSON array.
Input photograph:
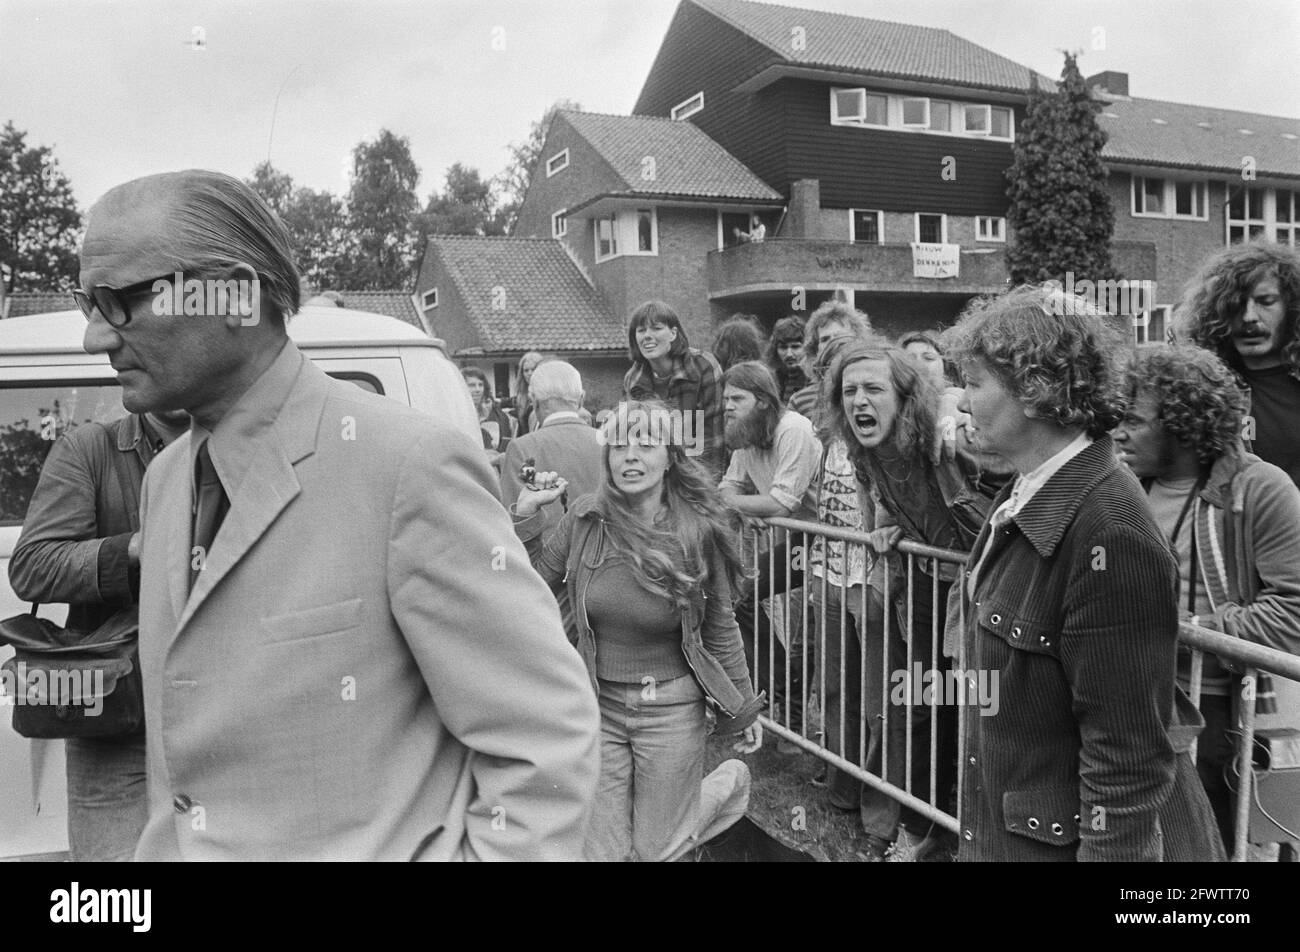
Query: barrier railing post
[{"x": 1245, "y": 765}]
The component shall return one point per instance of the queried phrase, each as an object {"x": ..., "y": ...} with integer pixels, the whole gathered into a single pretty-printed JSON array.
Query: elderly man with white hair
[{"x": 563, "y": 444}]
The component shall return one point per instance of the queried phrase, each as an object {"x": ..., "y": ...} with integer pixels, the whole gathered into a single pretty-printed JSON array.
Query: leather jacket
[{"x": 567, "y": 555}]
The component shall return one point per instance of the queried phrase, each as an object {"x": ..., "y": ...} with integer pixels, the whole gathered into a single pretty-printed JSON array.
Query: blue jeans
[
  {"x": 650, "y": 804},
  {"x": 107, "y": 801}
]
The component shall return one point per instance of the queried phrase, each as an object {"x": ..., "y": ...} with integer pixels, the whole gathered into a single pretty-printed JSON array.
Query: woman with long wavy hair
[{"x": 645, "y": 569}]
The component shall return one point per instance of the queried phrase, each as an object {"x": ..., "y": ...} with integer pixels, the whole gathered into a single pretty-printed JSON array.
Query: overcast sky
[{"x": 117, "y": 89}]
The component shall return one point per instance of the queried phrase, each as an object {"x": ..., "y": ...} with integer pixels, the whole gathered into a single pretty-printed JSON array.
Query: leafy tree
[
  {"x": 467, "y": 205},
  {"x": 275, "y": 187},
  {"x": 39, "y": 220},
  {"x": 316, "y": 221},
  {"x": 324, "y": 243},
  {"x": 381, "y": 207},
  {"x": 514, "y": 179},
  {"x": 1061, "y": 215}
]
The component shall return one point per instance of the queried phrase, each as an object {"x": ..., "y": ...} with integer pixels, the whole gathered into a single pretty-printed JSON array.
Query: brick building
[{"x": 853, "y": 140}]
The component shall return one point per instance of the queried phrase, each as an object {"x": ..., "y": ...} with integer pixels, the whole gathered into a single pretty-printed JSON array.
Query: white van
[{"x": 48, "y": 385}]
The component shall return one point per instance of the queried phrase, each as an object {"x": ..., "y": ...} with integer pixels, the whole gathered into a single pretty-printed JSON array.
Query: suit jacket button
[{"x": 182, "y": 803}]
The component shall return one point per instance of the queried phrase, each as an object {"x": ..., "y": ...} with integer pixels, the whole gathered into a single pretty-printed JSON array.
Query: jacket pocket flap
[
  {"x": 1048, "y": 816},
  {"x": 1019, "y": 632},
  {"x": 322, "y": 620}
]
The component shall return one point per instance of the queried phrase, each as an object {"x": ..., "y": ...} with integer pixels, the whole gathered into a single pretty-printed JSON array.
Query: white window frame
[
  {"x": 634, "y": 242},
  {"x": 943, "y": 227},
  {"x": 552, "y": 168},
  {"x": 426, "y": 302},
  {"x": 559, "y": 223},
  {"x": 1141, "y": 333},
  {"x": 968, "y": 109},
  {"x": 613, "y": 240},
  {"x": 688, "y": 107},
  {"x": 1269, "y": 222},
  {"x": 859, "y": 119},
  {"x": 998, "y": 234},
  {"x": 894, "y": 105},
  {"x": 853, "y": 225},
  {"x": 902, "y": 112},
  {"x": 1292, "y": 226},
  {"x": 1169, "y": 197},
  {"x": 626, "y": 238}
]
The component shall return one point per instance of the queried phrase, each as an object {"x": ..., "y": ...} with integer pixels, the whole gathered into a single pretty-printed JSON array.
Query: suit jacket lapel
[{"x": 269, "y": 485}]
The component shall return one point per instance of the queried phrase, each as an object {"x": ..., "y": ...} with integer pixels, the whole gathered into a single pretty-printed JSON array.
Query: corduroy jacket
[{"x": 1074, "y": 618}]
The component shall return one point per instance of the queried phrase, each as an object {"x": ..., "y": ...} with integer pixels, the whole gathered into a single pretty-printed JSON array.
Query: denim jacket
[{"x": 567, "y": 555}]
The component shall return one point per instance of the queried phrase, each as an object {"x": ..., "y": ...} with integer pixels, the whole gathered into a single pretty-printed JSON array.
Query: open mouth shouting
[{"x": 865, "y": 425}]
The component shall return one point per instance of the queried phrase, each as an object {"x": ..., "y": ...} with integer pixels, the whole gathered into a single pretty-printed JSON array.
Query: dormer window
[
  {"x": 557, "y": 163},
  {"x": 688, "y": 107},
  {"x": 429, "y": 299}
]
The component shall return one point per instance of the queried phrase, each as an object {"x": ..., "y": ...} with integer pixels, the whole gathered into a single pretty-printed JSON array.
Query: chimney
[{"x": 1109, "y": 82}]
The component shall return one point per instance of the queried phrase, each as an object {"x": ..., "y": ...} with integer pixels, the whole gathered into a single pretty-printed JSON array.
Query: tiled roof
[
  {"x": 22, "y": 303},
  {"x": 548, "y": 303},
  {"x": 396, "y": 304},
  {"x": 879, "y": 47},
  {"x": 687, "y": 161},
  {"x": 1150, "y": 131}
]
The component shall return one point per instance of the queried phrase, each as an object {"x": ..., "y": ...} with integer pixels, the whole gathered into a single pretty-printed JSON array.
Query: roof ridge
[
  {"x": 614, "y": 115},
  {"x": 492, "y": 237},
  {"x": 1192, "y": 105},
  {"x": 705, "y": 4}
]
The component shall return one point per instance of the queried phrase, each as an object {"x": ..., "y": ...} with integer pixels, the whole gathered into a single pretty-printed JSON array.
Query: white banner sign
[{"x": 935, "y": 261}]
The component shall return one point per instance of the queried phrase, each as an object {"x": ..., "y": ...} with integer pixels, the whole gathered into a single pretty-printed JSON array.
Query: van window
[
  {"x": 365, "y": 381},
  {"x": 31, "y": 419}
]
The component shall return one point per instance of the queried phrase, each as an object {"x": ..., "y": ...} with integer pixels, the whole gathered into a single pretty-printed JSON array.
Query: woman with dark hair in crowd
[
  {"x": 666, "y": 367},
  {"x": 923, "y": 347},
  {"x": 737, "y": 340},
  {"x": 1073, "y": 607},
  {"x": 785, "y": 356},
  {"x": 494, "y": 423},
  {"x": 647, "y": 566}
]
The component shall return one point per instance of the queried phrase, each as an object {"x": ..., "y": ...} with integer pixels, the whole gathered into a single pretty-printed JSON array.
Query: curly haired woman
[{"x": 1072, "y": 611}]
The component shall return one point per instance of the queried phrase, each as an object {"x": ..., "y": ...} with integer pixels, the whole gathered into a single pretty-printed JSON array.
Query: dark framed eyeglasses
[{"x": 114, "y": 303}]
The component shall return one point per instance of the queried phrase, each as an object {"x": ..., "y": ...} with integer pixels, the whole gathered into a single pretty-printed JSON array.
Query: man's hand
[
  {"x": 751, "y": 740},
  {"x": 883, "y": 540},
  {"x": 550, "y": 487},
  {"x": 952, "y": 425}
]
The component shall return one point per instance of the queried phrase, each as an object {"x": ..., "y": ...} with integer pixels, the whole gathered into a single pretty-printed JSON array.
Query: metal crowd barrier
[{"x": 797, "y": 689}]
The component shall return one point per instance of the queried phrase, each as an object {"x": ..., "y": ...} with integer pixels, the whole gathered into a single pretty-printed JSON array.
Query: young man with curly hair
[
  {"x": 1244, "y": 306},
  {"x": 1233, "y": 521}
]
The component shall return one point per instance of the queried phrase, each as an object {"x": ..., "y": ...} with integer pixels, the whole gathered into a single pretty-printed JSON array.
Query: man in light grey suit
[{"x": 346, "y": 654}]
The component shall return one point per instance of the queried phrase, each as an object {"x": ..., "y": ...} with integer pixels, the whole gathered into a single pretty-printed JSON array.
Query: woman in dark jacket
[
  {"x": 1072, "y": 616},
  {"x": 648, "y": 565}
]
